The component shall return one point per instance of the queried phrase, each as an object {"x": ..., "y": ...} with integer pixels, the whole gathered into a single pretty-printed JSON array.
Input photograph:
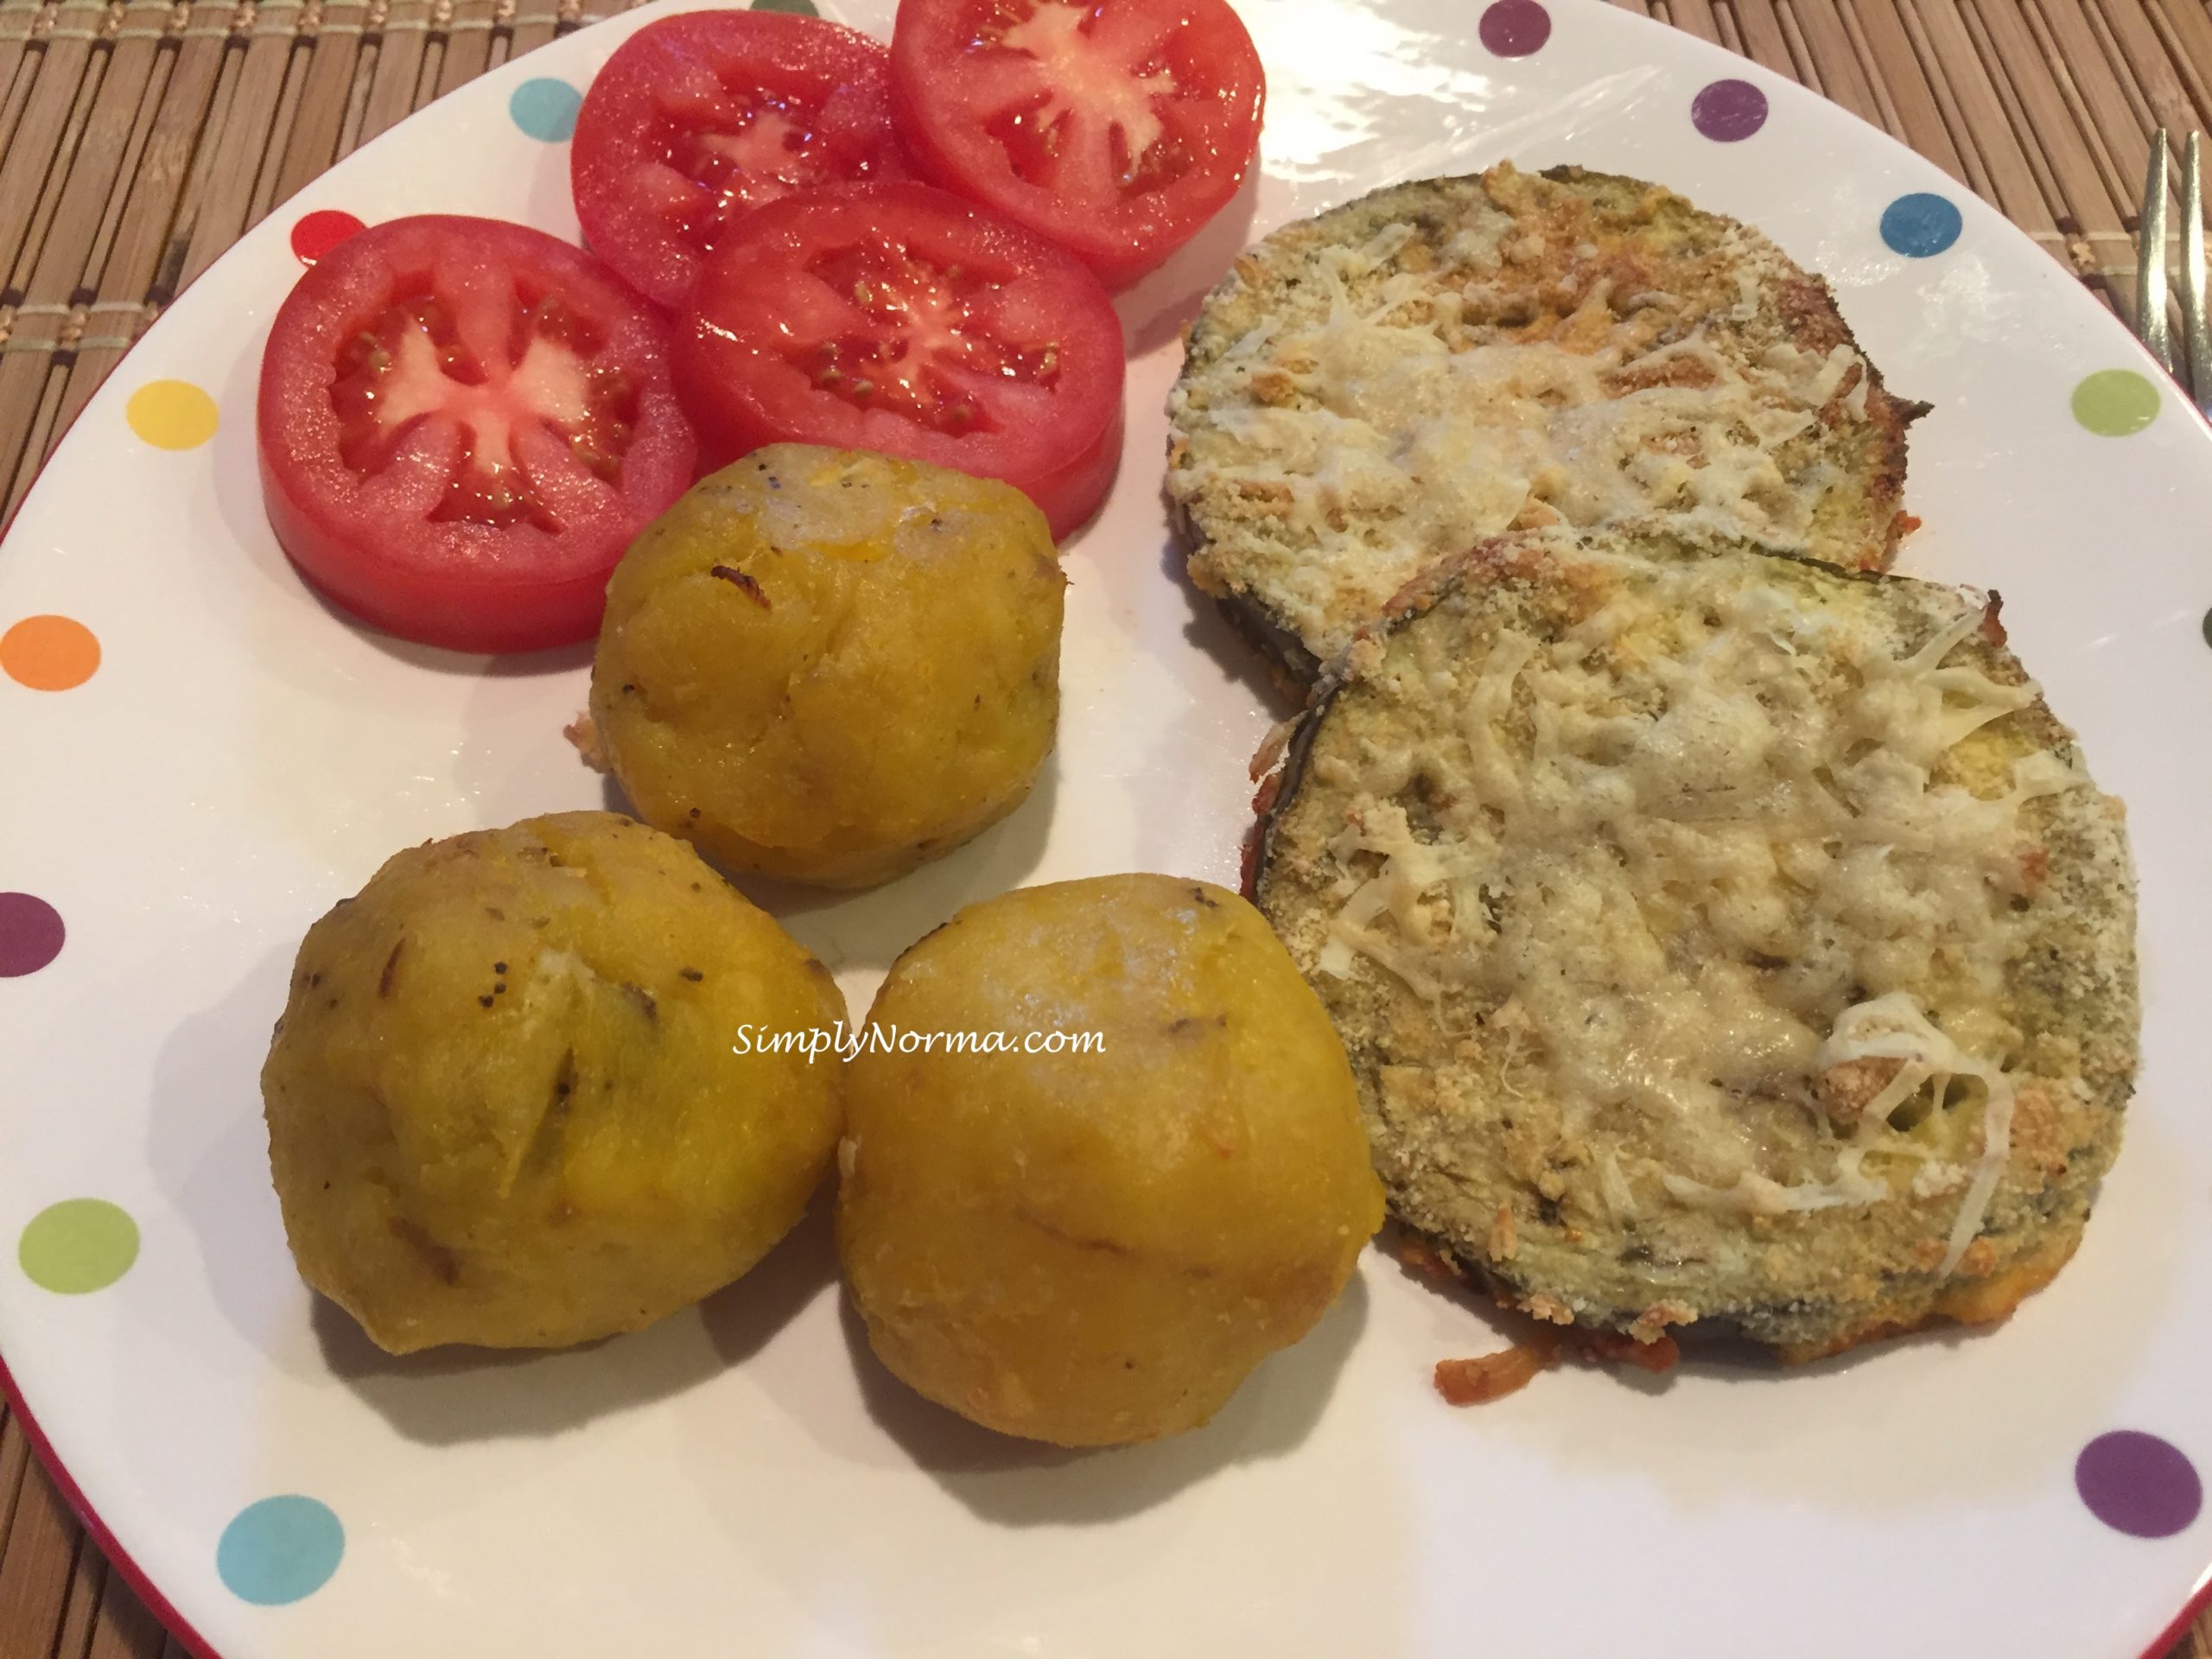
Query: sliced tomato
[
  {"x": 698, "y": 119},
  {"x": 461, "y": 425},
  {"x": 1117, "y": 128},
  {"x": 898, "y": 318}
]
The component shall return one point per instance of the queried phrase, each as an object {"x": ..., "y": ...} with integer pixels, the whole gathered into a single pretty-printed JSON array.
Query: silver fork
[{"x": 2152, "y": 323}]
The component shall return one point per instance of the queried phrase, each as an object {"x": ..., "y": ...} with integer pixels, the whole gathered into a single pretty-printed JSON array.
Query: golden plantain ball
[
  {"x": 503, "y": 1103},
  {"x": 831, "y": 665},
  {"x": 1089, "y": 1249}
]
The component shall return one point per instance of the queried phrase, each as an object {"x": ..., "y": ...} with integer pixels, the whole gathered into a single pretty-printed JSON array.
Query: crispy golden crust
[
  {"x": 1584, "y": 263},
  {"x": 1971, "y": 1301},
  {"x": 1505, "y": 1189}
]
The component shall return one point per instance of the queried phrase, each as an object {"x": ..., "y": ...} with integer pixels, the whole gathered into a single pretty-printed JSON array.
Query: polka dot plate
[{"x": 199, "y": 758}]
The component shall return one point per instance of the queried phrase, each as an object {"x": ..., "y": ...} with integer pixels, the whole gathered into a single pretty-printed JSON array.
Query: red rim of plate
[
  {"x": 136, "y": 1577},
  {"x": 175, "y": 1622},
  {"x": 2199, "y": 1599}
]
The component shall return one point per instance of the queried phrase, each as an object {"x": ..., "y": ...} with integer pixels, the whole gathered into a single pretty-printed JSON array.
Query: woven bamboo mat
[{"x": 139, "y": 139}]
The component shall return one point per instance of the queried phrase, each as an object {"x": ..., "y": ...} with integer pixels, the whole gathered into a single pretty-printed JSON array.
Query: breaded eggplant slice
[
  {"x": 1720, "y": 939},
  {"x": 1387, "y": 383}
]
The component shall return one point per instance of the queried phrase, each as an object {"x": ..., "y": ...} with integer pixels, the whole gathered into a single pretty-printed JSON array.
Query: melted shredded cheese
[
  {"x": 1692, "y": 854},
  {"x": 1894, "y": 1028},
  {"x": 1409, "y": 419},
  {"x": 1891, "y": 1028}
]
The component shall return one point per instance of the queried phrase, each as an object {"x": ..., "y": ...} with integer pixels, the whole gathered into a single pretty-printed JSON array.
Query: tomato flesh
[
  {"x": 411, "y": 365},
  {"x": 698, "y": 119},
  {"x": 1117, "y": 128},
  {"x": 921, "y": 336},
  {"x": 1071, "y": 105},
  {"x": 461, "y": 424},
  {"x": 898, "y": 318}
]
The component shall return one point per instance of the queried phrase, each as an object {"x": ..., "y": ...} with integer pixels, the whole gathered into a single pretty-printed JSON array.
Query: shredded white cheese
[
  {"x": 1894, "y": 1028},
  {"x": 1698, "y": 848},
  {"x": 1406, "y": 424}
]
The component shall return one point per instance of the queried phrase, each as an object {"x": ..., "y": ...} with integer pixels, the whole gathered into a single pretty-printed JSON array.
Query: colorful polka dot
[
  {"x": 49, "y": 654},
  {"x": 1513, "y": 28},
  {"x": 280, "y": 1550},
  {"x": 1921, "y": 225},
  {"x": 1728, "y": 111},
  {"x": 31, "y": 934},
  {"x": 545, "y": 109},
  {"x": 796, "y": 8},
  {"x": 171, "y": 414},
  {"x": 2114, "y": 403},
  {"x": 318, "y": 232},
  {"x": 78, "y": 1246},
  {"x": 2137, "y": 1484}
]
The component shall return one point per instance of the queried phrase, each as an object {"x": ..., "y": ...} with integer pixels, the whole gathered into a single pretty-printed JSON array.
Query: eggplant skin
[
  {"x": 1478, "y": 1161},
  {"x": 1297, "y": 584}
]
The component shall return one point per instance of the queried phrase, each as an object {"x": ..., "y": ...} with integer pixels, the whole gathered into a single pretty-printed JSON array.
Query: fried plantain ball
[
  {"x": 831, "y": 665},
  {"x": 504, "y": 1105},
  {"x": 1095, "y": 1247}
]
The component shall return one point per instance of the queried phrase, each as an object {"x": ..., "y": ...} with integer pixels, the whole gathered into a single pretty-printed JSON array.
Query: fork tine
[
  {"x": 2150, "y": 324},
  {"x": 2197, "y": 336}
]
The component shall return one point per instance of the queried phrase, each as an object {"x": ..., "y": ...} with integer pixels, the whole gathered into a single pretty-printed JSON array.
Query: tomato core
[
  {"x": 927, "y": 335},
  {"x": 412, "y": 365}
]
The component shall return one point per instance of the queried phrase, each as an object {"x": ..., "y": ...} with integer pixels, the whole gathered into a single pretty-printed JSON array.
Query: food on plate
[
  {"x": 898, "y": 318},
  {"x": 1387, "y": 383},
  {"x": 1115, "y": 128},
  {"x": 832, "y": 666},
  {"x": 697, "y": 119},
  {"x": 461, "y": 423},
  {"x": 1485, "y": 1378},
  {"x": 1091, "y": 1248},
  {"x": 1722, "y": 942},
  {"x": 505, "y": 1102}
]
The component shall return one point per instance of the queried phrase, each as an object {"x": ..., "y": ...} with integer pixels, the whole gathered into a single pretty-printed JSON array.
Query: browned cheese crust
[
  {"x": 1721, "y": 941},
  {"x": 1383, "y": 386}
]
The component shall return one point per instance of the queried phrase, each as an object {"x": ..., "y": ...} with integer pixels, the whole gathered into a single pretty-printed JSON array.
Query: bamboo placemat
[{"x": 139, "y": 139}]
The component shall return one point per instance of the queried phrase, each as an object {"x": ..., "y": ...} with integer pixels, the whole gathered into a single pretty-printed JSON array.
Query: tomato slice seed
[
  {"x": 460, "y": 423},
  {"x": 412, "y": 367},
  {"x": 1075, "y": 103},
  {"x": 754, "y": 144},
  {"x": 920, "y": 336},
  {"x": 1094, "y": 83},
  {"x": 765, "y": 133},
  {"x": 1117, "y": 127},
  {"x": 899, "y": 318},
  {"x": 698, "y": 120}
]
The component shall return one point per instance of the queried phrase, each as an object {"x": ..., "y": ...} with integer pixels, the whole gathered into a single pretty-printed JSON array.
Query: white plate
[{"x": 744, "y": 1479}]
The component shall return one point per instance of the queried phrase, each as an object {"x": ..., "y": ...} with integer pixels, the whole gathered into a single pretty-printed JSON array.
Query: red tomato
[
  {"x": 898, "y": 318},
  {"x": 1117, "y": 128},
  {"x": 461, "y": 425},
  {"x": 698, "y": 119}
]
